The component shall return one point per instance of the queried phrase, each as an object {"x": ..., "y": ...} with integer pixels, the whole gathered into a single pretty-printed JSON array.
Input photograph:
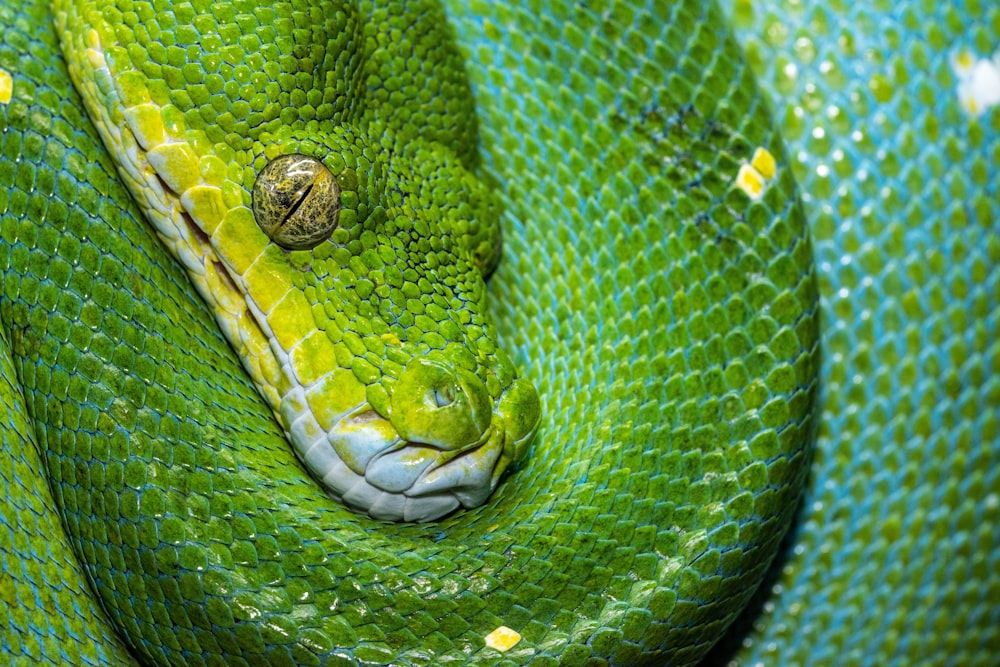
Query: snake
[{"x": 676, "y": 321}]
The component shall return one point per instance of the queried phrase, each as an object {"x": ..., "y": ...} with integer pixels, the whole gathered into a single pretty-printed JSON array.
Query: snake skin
[
  {"x": 895, "y": 559},
  {"x": 206, "y": 545}
]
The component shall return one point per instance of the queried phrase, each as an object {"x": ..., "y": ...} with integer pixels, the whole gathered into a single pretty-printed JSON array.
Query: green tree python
[{"x": 729, "y": 395}]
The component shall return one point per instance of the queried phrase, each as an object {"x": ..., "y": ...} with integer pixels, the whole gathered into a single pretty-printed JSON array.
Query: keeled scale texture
[{"x": 894, "y": 558}]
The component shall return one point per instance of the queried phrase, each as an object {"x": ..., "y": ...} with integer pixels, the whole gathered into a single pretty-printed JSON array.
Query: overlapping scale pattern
[
  {"x": 894, "y": 559},
  {"x": 639, "y": 524},
  {"x": 657, "y": 286}
]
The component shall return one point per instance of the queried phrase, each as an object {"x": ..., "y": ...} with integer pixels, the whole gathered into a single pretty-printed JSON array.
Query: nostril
[
  {"x": 440, "y": 405},
  {"x": 520, "y": 409},
  {"x": 444, "y": 396}
]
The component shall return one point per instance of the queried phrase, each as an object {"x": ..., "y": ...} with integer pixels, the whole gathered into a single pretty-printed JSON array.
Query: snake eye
[{"x": 296, "y": 201}]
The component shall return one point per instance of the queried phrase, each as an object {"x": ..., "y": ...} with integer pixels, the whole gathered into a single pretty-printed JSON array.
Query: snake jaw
[
  {"x": 441, "y": 447},
  {"x": 365, "y": 465}
]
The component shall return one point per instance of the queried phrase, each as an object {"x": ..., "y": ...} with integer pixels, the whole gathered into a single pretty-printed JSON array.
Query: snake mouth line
[{"x": 363, "y": 463}]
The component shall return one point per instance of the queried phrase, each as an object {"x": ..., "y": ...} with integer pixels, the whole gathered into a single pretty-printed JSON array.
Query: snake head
[
  {"x": 411, "y": 409},
  {"x": 334, "y": 216},
  {"x": 418, "y": 411},
  {"x": 393, "y": 388}
]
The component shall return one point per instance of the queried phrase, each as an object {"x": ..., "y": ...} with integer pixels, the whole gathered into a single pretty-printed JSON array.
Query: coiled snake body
[{"x": 658, "y": 286}]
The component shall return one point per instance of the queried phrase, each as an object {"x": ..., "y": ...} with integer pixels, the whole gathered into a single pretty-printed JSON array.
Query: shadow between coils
[{"x": 725, "y": 651}]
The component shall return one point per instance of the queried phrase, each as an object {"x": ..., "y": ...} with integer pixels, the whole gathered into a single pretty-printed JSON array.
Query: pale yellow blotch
[
  {"x": 6, "y": 86},
  {"x": 295, "y": 401},
  {"x": 176, "y": 164},
  {"x": 146, "y": 124},
  {"x": 335, "y": 395},
  {"x": 95, "y": 55},
  {"x": 965, "y": 60},
  {"x": 226, "y": 297},
  {"x": 978, "y": 81},
  {"x": 764, "y": 163},
  {"x": 361, "y": 434},
  {"x": 204, "y": 204},
  {"x": 391, "y": 339},
  {"x": 213, "y": 170},
  {"x": 307, "y": 430},
  {"x": 274, "y": 383},
  {"x": 267, "y": 279},
  {"x": 750, "y": 181},
  {"x": 132, "y": 89},
  {"x": 238, "y": 239},
  {"x": 255, "y": 349},
  {"x": 266, "y": 373},
  {"x": 313, "y": 358},
  {"x": 502, "y": 639},
  {"x": 291, "y": 320}
]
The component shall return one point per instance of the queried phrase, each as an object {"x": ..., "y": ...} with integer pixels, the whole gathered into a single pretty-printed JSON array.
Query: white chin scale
[{"x": 363, "y": 463}]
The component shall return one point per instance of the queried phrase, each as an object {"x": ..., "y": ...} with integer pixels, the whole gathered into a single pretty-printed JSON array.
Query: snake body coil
[{"x": 657, "y": 286}]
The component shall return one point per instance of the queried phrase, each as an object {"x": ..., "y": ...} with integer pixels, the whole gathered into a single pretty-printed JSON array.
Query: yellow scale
[{"x": 753, "y": 178}]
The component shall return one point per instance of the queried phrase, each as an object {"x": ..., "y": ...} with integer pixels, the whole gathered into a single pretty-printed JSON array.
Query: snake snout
[
  {"x": 440, "y": 405},
  {"x": 520, "y": 409}
]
